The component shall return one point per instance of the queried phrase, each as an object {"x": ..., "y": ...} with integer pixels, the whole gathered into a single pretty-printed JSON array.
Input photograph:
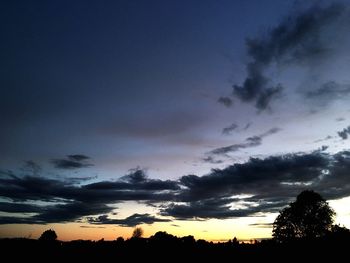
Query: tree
[
  {"x": 48, "y": 236},
  {"x": 309, "y": 216},
  {"x": 137, "y": 233}
]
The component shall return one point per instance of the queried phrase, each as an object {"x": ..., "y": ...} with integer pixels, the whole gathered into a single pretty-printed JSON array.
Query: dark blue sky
[
  {"x": 112, "y": 79},
  {"x": 91, "y": 89}
]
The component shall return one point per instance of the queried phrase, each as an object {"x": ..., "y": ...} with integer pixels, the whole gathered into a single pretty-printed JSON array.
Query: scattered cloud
[
  {"x": 246, "y": 127},
  {"x": 226, "y": 101},
  {"x": 72, "y": 162},
  {"x": 328, "y": 92},
  {"x": 300, "y": 39},
  {"x": 229, "y": 129},
  {"x": 324, "y": 148},
  {"x": 131, "y": 221},
  {"x": 212, "y": 160},
  {"x": 344, "y": 134}
]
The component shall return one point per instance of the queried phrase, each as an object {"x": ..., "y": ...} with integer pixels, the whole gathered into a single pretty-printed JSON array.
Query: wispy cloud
[{"x": 253, "y": 141}]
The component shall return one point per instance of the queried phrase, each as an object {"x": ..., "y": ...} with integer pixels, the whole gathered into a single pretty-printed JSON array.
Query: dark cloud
[
  {"x": 79, "y": 180},
  {"x": 131, "y": 221},
  {"x": 226, "y": 101},
  {"x": 253, "y": 141},
  {"x": 19, "y": 208},
  {"x": 135, "y": 180},
  {"x": 295, "y": 40},
  {"x": 229, "y": 129},
  {"x": 216, "y": 208},
  {"x": 340, "y": 119},
  {"x": 72, "y": 162},
  {"x": 344, "y": 134},
  {"x": 261, "y": 185},
  {"x": 236, "y": 147},
  {"x": 70, "y": 202},
  {"x": 243, "y": 189},
  {"x": 70, "y": 212},
  {"x": 324, "y": 148}
]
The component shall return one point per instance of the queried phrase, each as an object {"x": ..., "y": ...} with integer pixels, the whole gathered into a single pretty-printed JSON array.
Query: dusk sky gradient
[{"x": 191, "y": 117}]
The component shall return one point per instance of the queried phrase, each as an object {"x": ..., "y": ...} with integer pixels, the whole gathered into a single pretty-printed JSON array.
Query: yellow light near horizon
[{"x": 342, "y": 209}]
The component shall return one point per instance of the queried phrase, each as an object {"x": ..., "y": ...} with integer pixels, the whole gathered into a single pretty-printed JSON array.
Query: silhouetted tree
[
  {"x": 137, "y": 233},
  {"x": 309, "y": 216},
  {"x": 48, "y": 235},
  {"x": 120, "y": 239}
]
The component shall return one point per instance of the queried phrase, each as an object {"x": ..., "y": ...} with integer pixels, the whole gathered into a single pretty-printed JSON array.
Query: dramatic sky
[{"x": 191, "y": 117}]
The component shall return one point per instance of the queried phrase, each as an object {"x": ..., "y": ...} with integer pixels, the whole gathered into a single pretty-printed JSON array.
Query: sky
[{"x": 199, "y": 118}]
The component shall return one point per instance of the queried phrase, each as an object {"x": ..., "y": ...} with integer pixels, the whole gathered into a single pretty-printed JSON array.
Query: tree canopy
[{"x": 309, "y": 216}]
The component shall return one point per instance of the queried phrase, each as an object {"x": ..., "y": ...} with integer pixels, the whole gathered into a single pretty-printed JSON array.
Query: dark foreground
[{"x": 164, "y": 247}]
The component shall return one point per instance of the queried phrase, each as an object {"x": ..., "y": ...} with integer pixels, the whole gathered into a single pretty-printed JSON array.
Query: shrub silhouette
[
  {"x": 48, "y": 236},
  {"x": 308, "y": 217}
]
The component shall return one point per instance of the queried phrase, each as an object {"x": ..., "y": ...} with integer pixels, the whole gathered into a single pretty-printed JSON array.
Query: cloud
[
  {"x": 340, "y": 119},
  {"x": 299, "y": 39},
  {"x": 328, "y": 137},
  {"x": 328, "y": 92},
  {"x": 78, "y": 157},
  {"x": 250, "y": 142},
  {"x": 344, "y": 134},
  {"x": 215, "y": 208},
  {"x": 69, "y": 202},
  {"x": 226, "y": 101},
  {"x": 212, "y": 160},
  {"x": 135, "y": 180},
  {"x": 70, "y": 212},
  {"x": 19, "y": 208},
  {"x": 131, "y": 221},
  {"x": 229, "y": 129},
  {"x": 72, "y": 162},
  {"x": 246, "y": 127},
  {"x": 262, "y": 225},
  {"x": 260, "y": 185},
  {"x": 253, "y": 141},
  {"x": 251, "y": 188}
]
